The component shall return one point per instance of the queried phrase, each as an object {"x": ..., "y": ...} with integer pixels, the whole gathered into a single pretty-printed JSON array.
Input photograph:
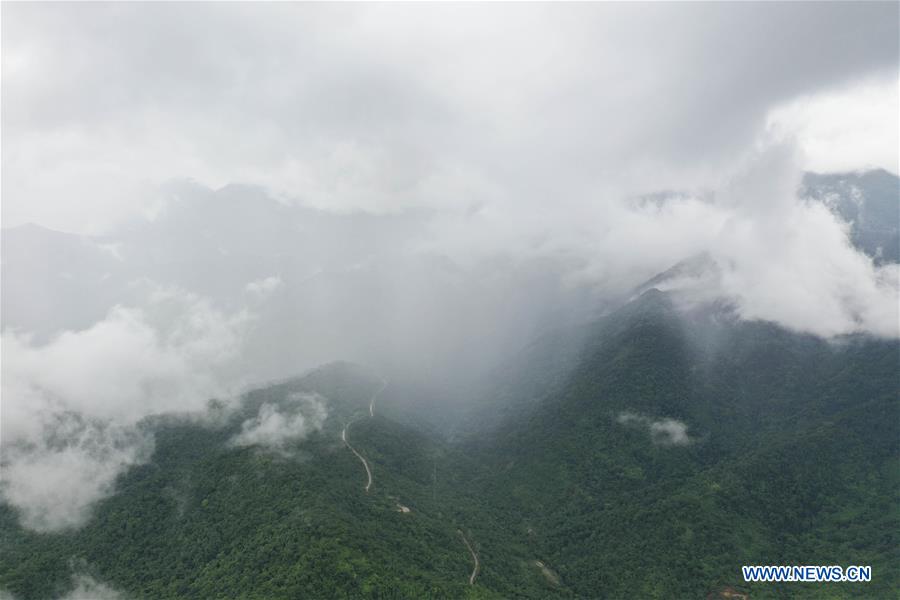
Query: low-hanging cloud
[
  {"x": 775, "y": 255},
  {"x": 663, "y": 432},
  {"x": 83, "y": 586},
  {"x": 782, "y": 258},
  {"x": 276, "y": 426},
  {"x": 71, "y": 407},
  {"x": 54, "y": 478},
  {"x": 88, "y": 588}
]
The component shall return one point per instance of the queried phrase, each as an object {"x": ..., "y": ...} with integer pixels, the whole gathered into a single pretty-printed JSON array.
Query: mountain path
[
  {"x": 474, "y": 557},
  {"x": 384, "y": 384},
  {"x": 352, "y": 449},
  {"x": 359, "y": 456}
]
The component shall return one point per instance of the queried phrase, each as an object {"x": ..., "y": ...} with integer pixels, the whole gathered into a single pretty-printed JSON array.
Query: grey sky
[{"x": 380, "y": 107}]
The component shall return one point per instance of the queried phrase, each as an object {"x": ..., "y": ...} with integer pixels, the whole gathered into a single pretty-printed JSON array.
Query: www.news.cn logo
[{"x": 818, "y": 573}]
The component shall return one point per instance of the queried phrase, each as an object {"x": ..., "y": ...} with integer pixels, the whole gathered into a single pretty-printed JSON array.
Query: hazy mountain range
[{"x": 237, "y": 245}]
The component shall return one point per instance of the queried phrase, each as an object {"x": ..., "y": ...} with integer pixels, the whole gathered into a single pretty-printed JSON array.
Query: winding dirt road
[
  {"x": 359, "y": 456},
  {"x": 384, "y": 384},
  {"x": 474, "y": 557},
  {"x": 352, "y": 449}
]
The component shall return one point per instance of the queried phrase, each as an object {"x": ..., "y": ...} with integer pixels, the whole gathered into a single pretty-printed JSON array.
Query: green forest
[{"x": 665, "y": 453}]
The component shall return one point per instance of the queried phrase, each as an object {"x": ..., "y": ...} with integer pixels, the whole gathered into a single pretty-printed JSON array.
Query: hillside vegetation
[{"x": 671, "y": 449}]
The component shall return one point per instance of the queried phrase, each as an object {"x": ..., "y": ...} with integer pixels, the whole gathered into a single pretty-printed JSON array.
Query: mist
[
  {"x": 199, "y": 198},
  {"x": 664, "y": 432},
  {"x": 273, "y": 427}
]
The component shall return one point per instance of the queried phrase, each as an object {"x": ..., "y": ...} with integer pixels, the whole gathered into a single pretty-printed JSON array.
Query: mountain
[
  {"x": 869, "y": 202},
  {"x": 359, "y": 285},
  {"x": 684, "y": 446},
  {"x": 54, "y": 280},
  {"x": 667, "y": 450},
  {"x": 219, "y": 243},
  {"x": 207, "y": 518}
]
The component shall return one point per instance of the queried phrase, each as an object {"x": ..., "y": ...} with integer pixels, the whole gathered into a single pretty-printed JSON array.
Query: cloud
[
  {"x": 84, "y": 587},
  {"x": 669, "y": 432},
  {"x": 88, "y": 588},
  {"x": 380, "y": 108},
  {"x": 71, "y": 407},
  {"x": 784, "y": 259},
  {"x": 263, "y": 287},
  {"x": 776, "y": 256},
  {"x": 663, "y": 432},
  {"x": 54, "y": 479},
  {"x": 844, "y": 129},
  {"x": 139, "y": 360},
  {"x": 276, "y": 426},
  {"x": 511, "y": 148}
]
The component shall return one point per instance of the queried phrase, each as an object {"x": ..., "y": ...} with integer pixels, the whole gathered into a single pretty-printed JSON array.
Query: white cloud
[
  {"x": 55, "y": 478},
  {"x": 278, "y": 425},
  {"x": 845, "y": 129},
  {"x": 669, "y": 432},
  {"x": 515, "y": 148},
  {"x": 158, "y": 357},
  {"x": 70, "y": 406},
  {"x": 262, "y": 288},
  {"x": 663, "y": 432},
  {"x": 790, "y": 261},
  {"x": 88, "y": 588},
  {"x": 437, "y": 111}
]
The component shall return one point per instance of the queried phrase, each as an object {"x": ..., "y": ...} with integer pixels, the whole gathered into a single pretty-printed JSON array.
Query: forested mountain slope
[
  {"x": 664, "y": 451},
  {"x": 206, "y": 518},
  {"x": 684, "y": 446}
]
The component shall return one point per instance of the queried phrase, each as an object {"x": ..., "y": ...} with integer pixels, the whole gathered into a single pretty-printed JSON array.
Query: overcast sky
[{"x": 517, "y": 109}]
